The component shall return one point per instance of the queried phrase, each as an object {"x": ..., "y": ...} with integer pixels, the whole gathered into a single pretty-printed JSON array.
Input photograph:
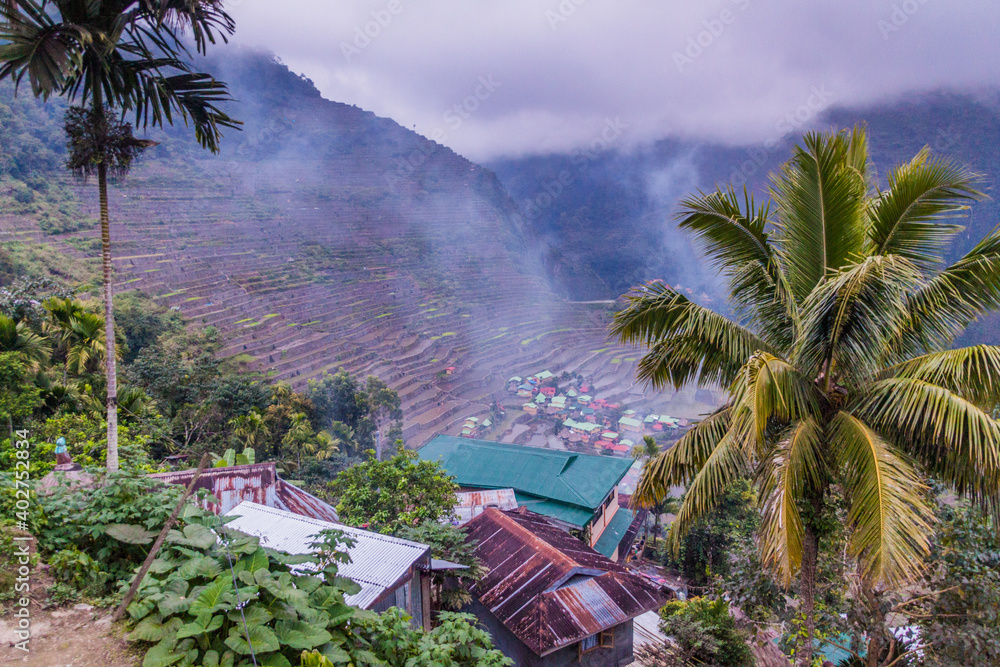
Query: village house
[
  {"x": 530, "y": 408},
  {"x": 576, "y": 492},
  {"x": 258, "y": 483},
  {"x": 630, "y": 424},
  {"x": 548, "y": 392},
  {"x": 391, "y": 572},
  {"x": 525, "y": 391},
  {"x": 548, "y": 600}
]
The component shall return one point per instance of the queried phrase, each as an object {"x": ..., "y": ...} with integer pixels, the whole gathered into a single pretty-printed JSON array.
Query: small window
[
  {"x": 607, "y": 638},
  {"x": 588, "y": 644}
]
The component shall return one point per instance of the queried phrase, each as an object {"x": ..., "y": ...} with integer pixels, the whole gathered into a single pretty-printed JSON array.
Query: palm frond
[
  {"x": 946, "y": 304},
  {"x": 733, "y": 235},
  {"x": 690, "y": 342},
  {"x": 794, "y": 467},
  {"x": 889, "y": 516},
  {"x": 820, "y": 196},
  {"x": 678, "y": 465},
  {"x": 848, "y": 321},
  {"x": 769, "y": 391},
  {"x": 726, "y": 464},
  {"x": 952, "y": 437},
  {"x": 33, "y": 44},
  {"x": 970, "y": 372},
  {"x": 905, "y": 219}
]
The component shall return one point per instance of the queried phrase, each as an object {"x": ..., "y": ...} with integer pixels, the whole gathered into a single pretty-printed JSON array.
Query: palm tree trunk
[
  {"x": 109, "y": 320},
  {"x": 807, "y": 579}
]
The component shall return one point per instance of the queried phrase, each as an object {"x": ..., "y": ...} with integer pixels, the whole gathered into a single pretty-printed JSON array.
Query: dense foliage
[
  {"x": 389, "y": 495},
  {"x": 236, "y": 603},
  {"x": 705, "y": 633}
]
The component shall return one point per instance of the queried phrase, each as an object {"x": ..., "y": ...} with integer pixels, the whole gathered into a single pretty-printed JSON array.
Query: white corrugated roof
[{"x": 378, "y": 561}]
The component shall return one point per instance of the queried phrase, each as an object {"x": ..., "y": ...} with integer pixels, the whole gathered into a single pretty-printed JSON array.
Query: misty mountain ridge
[
  {"x": 323, "y": 236},
  {"x": 611, "y": 224}
]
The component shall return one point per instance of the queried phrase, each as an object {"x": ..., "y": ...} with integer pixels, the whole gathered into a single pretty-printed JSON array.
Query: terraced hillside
[{"x": 325, "y": 237}]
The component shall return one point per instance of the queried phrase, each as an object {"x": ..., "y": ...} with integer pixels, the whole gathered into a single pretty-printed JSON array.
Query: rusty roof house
[
  {"x": 391, "y": 572},
  {"x": 550, "y": 600},
  {"x": 258, "y": 483}
]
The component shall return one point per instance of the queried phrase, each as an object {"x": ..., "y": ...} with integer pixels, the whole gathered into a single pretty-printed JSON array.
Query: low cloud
[{"x": 723, "y": 70}]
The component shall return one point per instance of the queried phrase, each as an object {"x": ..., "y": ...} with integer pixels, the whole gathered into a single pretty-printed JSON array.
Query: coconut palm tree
[
  {"x": 106, "y": 57},
  {"x": 838, "y": 360}
]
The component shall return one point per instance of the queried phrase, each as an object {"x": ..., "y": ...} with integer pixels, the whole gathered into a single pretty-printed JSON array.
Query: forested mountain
[
  {"x": 321, "y": 237},
  {"x": 610, "y": 224}
]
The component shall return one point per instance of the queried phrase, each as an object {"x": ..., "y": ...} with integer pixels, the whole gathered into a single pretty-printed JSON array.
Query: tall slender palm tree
[
  {"x": 108, "y": 56},
  {"x": 838, "y": 360}
]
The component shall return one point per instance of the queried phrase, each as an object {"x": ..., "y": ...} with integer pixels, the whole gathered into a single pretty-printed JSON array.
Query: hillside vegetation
[{"x": 326, "y": 237}]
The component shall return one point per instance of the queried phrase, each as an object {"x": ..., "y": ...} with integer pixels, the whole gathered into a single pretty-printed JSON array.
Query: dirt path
[{"x": 70, "y": 637}]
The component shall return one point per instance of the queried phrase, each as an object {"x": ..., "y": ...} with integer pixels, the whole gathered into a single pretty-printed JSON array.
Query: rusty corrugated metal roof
[
  {"x": 473, "y": 503},
  {"x": 549, "y": 588},
  {"x": 258, "y": 483}
]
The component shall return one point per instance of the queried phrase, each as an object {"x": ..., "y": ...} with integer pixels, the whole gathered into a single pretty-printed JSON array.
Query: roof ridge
[{"x": 523, "y": 532}]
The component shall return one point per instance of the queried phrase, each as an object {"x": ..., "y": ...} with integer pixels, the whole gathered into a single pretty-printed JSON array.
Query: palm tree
[
  {"x": 251, "y": 428},
  {"x": 326, "y": 445},
  {"x": 18, "y": 337},
  {"x": 107, "y": 55},
  {"x": 84, "y": 347},
  {"x": 838, "y": 360},
  {"x": 299, "y": 438},
  {"x": 647, "y": 450}
]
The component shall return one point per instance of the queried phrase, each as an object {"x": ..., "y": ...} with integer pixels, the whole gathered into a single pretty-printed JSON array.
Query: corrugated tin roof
[
  {"x": 578, "y": 479},
  {"x": 258, "y": 483},
  {"x": 379, "y": 563},
  {"x": 547, "y": 587},
  {"x": 473, "y": 503}
]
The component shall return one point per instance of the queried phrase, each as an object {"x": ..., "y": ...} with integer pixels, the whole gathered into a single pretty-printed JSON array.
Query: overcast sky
[{"x": 494, "y": 78}]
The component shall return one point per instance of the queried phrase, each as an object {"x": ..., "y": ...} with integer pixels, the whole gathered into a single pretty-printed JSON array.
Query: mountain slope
[
  {"x": 325, "y": 237},
  {"x": 629, "y": 197}
]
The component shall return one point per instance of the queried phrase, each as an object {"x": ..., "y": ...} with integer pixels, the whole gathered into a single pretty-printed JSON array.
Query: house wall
[
  {"x": 409, "y": 597},
  {"x": 601, "y": 522},
  {"x": 518, "y": 651}
]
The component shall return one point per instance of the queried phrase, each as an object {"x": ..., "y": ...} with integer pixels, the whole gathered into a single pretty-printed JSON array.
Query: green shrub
[
  {"x": 706, "y": 633},
  {"x": 77, "y": 569},
  {"x": 80, "y": 520},
  {"x": 203, "y": 599}
]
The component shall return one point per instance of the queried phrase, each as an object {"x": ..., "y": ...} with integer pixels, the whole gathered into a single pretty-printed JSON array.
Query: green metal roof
[
  {"x": 574, "y": 515},
  {"x": 615, "y": 531},
  {"x": 583, "y": 480}
]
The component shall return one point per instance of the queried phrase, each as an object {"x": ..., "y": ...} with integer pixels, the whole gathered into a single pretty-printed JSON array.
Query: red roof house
[{"x": 548, "y": 599}]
